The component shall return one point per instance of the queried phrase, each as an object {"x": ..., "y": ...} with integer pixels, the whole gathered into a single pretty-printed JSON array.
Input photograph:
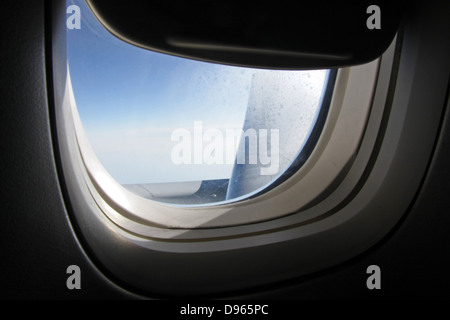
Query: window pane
[{"x": 184, "y": 131}]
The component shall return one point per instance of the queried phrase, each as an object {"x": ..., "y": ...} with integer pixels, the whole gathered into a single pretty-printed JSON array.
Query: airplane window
[
  {"x": 166, "y": 159},
  {"x": 182, "y": 131}
]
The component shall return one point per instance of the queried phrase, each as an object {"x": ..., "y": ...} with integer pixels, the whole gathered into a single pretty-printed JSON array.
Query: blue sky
[{"x": 130, "y": 100}]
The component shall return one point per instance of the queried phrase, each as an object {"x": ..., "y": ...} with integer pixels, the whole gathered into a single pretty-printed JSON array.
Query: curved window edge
[{"x": 331, "y": 154}]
